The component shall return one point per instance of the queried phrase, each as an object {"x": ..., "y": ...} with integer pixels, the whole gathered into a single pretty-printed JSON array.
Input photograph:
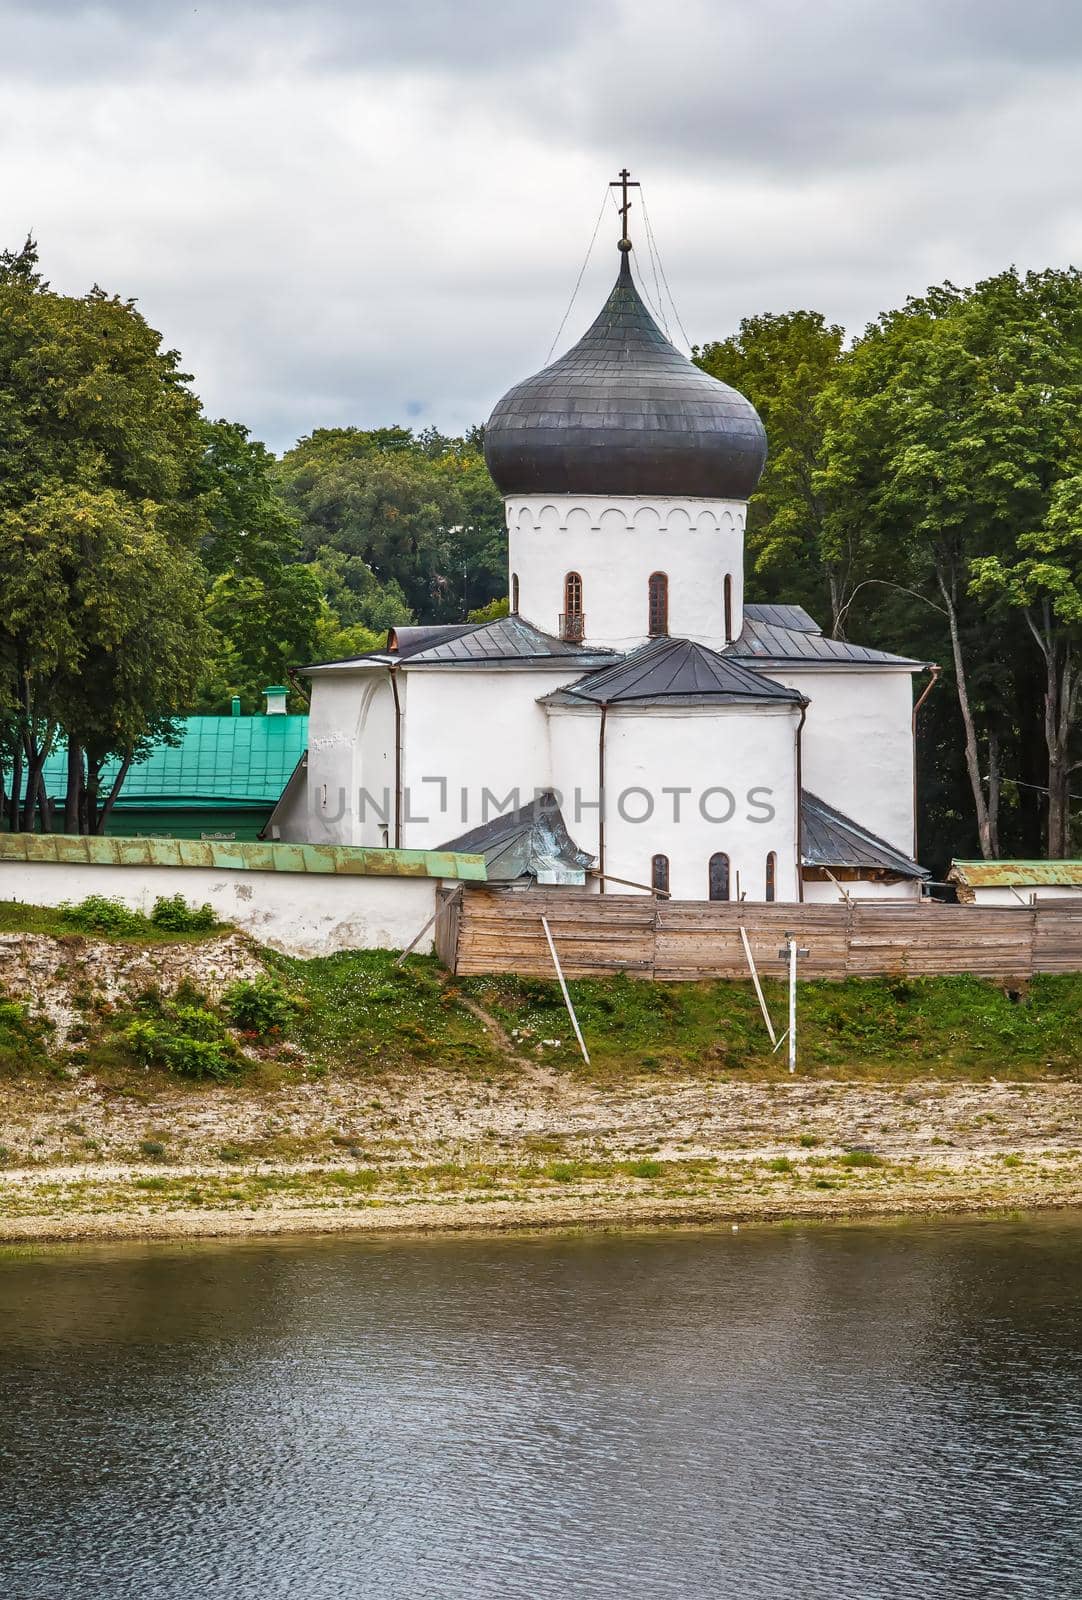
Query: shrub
[
  {"x": 189, "y": 1042},
  {"x": 260, "y": 1006},
  {"x": 152, "y": 1148},
  {"x": 861, "y": 1158},
  {"x": 99, "y": 914},
  {"x": 22, "y": 1039},
  {"x": 175, "y": 915}
]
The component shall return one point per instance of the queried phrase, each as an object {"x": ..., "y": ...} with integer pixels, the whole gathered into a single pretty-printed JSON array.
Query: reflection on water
[{"x": 805, "y": 1412}]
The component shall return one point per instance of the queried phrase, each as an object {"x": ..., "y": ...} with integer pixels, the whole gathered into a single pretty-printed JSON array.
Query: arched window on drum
[
  {"x": 658, "y": 605},
  {"x": 572, "y": 621}
]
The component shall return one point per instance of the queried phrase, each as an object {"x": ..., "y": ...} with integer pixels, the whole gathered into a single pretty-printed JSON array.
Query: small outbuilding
[{"x": 1012, "y": 883}]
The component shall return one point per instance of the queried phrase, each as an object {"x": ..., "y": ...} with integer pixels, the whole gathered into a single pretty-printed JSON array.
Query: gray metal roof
[
  {"x": 831, "y": 839},
  {"x": 668, "y": 671},
  {"x": 532, "y": 841},
  {"x": 623, "y": 412},
  {"x": 781, "y": 616},
  {"x": 767, "y": 641},
  {"x": 509, "y": 641},
  {"x": 404, "y": 642}
]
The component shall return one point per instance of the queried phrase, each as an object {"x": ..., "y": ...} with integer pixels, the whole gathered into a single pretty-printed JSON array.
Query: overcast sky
[{"x": 373, "y": 213}]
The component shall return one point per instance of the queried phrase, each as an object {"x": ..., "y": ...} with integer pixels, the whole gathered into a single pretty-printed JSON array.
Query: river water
[{"x": 801, "y": 1412}]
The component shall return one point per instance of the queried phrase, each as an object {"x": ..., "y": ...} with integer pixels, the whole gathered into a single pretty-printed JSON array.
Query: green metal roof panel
[
  {"x": 241, "y": 856},
  {"x": 1017, "y": 874},
  {"x": 219, "y": 760}
]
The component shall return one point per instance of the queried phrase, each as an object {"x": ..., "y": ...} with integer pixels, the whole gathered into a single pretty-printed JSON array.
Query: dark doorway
[{"x": 719, "y": 876}]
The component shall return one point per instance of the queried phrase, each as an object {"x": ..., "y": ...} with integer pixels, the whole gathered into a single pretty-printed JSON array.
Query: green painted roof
[
  {"x": 219, "y": 761},
  {"x": 241, "y": 856}
]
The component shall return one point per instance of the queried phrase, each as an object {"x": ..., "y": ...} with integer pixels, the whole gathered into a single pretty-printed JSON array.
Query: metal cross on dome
[{"x": 625, "y": 182}]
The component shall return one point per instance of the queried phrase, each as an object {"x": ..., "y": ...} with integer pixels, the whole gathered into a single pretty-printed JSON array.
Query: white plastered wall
[
  {"x": 475, "y": 746},
  {"x": 615, "y": 545},
  {"x": 858, "y": 745},
  {"x": 301, "y": 914},
  {"x": 819, "y": 893},
  {"x": 750, "y": 752}
]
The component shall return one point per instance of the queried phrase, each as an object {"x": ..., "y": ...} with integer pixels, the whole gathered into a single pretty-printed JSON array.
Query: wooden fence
[{"x": 491, "y": 930}]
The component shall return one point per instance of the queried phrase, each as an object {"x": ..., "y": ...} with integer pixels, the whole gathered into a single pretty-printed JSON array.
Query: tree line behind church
[{"x": 923, "y": 494}]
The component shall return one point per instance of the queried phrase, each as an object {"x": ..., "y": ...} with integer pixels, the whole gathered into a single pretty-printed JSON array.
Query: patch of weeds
[
  {"x": 230, "y": 1152},
  {"x": 644, "y": 1169},
  {"x": 780, "y": 1164},
  {"x": 861, "y": 1158},
  {"x": 98, "y": 913},
  {"x": 23, "y": 1040},
  {"x": 187, "y": 1040},
  {"x": 260, "y": 1006},
  {"x": 154, "y": 1149},
  {"x": 808, "y": 1141},
  {"x": 173, "y": 914}
]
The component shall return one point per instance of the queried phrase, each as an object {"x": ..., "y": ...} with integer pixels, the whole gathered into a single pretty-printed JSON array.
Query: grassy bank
[{"x": 174, "y": 1080}]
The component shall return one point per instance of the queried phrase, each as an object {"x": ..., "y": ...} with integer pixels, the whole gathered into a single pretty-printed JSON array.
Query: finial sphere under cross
[{"x": 625, "y": 182}]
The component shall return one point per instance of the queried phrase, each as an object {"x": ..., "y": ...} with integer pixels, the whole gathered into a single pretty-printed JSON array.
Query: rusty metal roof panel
[
  {"x": 239, "y": 856},
  {"x": 1017, "y": 874}
]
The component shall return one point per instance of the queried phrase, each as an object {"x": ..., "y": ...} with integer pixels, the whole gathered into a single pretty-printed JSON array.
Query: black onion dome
[{"x": 624, "y": 413}]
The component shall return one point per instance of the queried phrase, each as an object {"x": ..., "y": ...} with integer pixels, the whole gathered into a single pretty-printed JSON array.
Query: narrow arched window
[
  {"x": 719, "y": 876},
  {"x": 514, "y": 594},
  {"x": 771, "y": 876},
  {"x": 659, "y": 604},
  {"x": 728, "y": 609},
  {"x": 659, "y": 874},
  {"x": 571, "y": 623}
]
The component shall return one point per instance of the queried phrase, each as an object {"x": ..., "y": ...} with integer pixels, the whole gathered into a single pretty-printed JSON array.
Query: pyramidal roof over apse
[
  {"x": 673, "y": 671},
  {"x": 625, "y": 413}
]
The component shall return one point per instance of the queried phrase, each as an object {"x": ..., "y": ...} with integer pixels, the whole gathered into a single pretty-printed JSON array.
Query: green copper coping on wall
[{"x": 241, "y": 856}]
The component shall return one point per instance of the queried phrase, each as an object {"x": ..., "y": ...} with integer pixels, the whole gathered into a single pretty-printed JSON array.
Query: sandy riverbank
[{"x": 547, "y": 1151}]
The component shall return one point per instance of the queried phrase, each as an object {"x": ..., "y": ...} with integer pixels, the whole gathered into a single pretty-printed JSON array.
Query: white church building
[{"x": 633, "y": 723}]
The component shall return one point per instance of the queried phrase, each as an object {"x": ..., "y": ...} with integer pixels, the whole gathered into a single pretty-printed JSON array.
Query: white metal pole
[{"x": 792, "y": 1004}]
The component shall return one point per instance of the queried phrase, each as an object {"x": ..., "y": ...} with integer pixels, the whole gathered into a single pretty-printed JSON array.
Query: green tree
[
  {"x": 420, "y": 513},
  {"x": 1043, "y": 579},
  {"x": 100, "y": 441},
  {"x": 947, "y": 427},
  {"x": 783, "y": 364}
]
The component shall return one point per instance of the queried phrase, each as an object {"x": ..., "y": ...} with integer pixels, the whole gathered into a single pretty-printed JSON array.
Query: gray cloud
[{"x": 361, "y": 213}]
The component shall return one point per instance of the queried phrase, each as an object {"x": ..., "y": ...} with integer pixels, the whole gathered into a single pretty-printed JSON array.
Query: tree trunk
[
  {"x": 74, "y": 793},
  {"x": 118, "y": 783},
  {"x": 1060, "y": 703},
  {"x": 33, "y": 784},
  {"x": 16, "y": 788},
  {"x": 993, "y": 791},
  {"x": 985, "y": 830}
]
